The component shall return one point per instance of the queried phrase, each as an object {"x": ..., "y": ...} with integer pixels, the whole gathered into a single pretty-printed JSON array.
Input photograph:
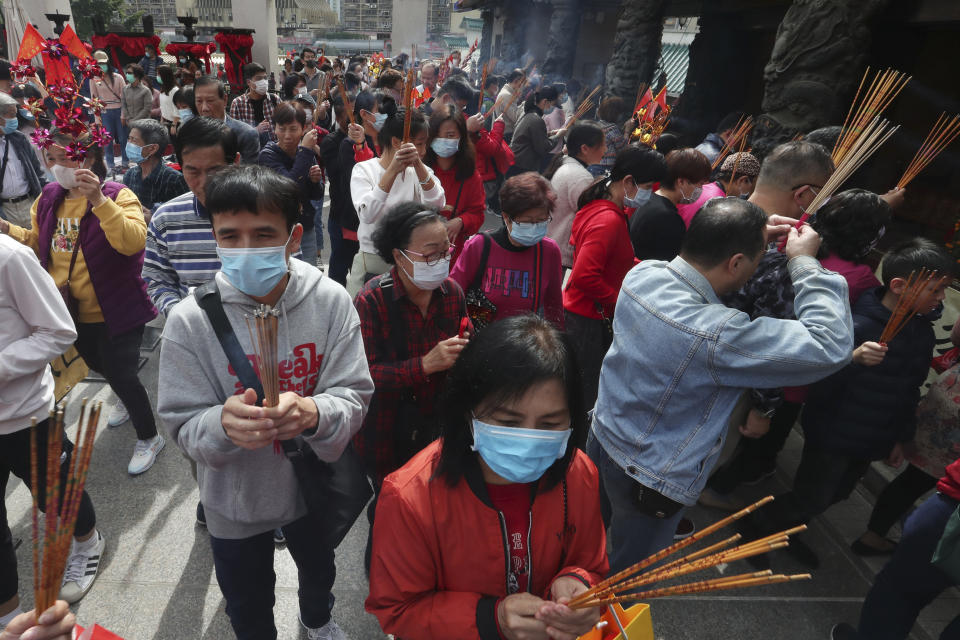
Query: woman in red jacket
[
  {"x": 602, "y": 256},
  {"x": 453, "y": 159},
  {"x": 494, "y": 157},
  {"x": 489, "y": 532}
]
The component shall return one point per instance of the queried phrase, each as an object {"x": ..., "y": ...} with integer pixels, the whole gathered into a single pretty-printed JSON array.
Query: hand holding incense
[
  {"x": 408, "y": 105},
  {"x": 263, "y": 335},
  {"x": 346, "y": 101}
]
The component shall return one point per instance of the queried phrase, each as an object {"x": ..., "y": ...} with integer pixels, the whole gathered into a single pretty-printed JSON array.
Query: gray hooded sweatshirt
[{"x": 321, "y": 353}]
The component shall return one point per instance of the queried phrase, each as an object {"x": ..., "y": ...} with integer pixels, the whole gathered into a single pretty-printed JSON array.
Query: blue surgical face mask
[
  {"x": 130, "y": 77},
  {"x": 185, "y": 114},
  {"x": 516, "y": 454},
  {"x": 640, "y": 198},
  {"x": 10, "y": 125},
  {"x": 134, "y": 153},
  {"x": 528, "y": 233},
  {"x": 379, "y": 119},
  {"x": 445, "y": 147},
  {"x": 254, "y": 271}
]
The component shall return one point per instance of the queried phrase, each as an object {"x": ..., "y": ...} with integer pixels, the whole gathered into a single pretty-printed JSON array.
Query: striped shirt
[{"x": 181, "y": 252}]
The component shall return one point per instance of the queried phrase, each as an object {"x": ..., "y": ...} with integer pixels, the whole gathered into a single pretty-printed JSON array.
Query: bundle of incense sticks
[
  {"x": 740, "y": 132},
  {"x": 51, "y": 547},
  {"x": 263, "y": 335},
  {"x": 612, "y": 589},
  {"x": 736, "y": 160},
  {"x": 865, "y": 145},
  {"x": 883, "y": 89},
  {"x": 640, "y": 91},
  {"x": 584, "y": 107},
  {"x": 408, "y": 104},
  {"x": 346, "y": 100},
  {"x": 944, "y": 131},
  {"x": 483, "y": 83},
  {"x": 915, "y": 296}
]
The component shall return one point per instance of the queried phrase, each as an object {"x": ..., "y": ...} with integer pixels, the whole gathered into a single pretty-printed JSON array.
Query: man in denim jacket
[{"x": 680, "y": 360}]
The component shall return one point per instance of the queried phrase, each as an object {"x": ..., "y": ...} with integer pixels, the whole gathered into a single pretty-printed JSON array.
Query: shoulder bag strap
[
  {"x": 208, "y": 298},
  {"x": 537, "y": 277},
  {"x": 456, "y": 203},
  {"x": 478, "y": 276},
  {"x": 73, "y": 257},
  {"x": 397, "y": 325},
  {"x": 6, "y": 154}
]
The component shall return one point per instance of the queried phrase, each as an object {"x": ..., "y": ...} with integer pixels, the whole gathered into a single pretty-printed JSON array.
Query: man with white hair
[
  {"x": 21, "y": 175},
  {"x": 152, "y": 180}
]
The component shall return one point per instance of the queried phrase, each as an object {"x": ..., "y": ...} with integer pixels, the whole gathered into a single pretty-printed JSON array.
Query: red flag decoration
[
  {"x": 73, "y": 43},
  {"x": 644, "y": 101},
  {"x": 31, "y": 44},
  {"x": 661, "y": 98},
  {"x": 660, "y": 102}
]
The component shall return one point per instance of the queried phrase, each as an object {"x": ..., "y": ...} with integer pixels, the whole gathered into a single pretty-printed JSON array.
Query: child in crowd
[{"x": 865, "y": 411}]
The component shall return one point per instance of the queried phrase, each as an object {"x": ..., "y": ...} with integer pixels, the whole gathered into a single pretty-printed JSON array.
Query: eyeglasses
[
  {"x": 433, "y": 258},
  {"x": 816, "y": 188},
  {"x": 547, "y": 219}
]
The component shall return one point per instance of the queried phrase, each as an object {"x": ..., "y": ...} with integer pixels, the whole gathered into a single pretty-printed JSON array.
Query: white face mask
[
  {"x": 66, "y": 176},
  {"x": 261, "y": 86},
  {"x": 428, "y": 276}
]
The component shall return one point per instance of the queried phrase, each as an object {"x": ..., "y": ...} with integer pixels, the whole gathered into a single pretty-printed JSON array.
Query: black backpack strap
[
  {"x": 478, "y": 276},
  {"x": 397, "y": 330},
  {"x": 208, "y": 299}
]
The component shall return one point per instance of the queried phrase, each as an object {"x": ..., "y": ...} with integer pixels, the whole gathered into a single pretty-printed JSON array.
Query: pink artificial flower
[{"x": 42, "y": 138}]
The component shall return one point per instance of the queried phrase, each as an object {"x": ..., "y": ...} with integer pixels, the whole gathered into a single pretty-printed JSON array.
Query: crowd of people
[{"x": 510, "y": 397}]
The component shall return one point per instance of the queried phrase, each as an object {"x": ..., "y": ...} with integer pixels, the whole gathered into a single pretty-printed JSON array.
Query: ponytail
[
  {"x": 598, "y": 190},
  {"x": 643, "y": 163}
]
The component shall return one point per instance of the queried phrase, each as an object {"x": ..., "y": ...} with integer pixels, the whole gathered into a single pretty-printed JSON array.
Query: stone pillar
[
  {"x": 817, "y": 62},
  {"x": 262, "y": 16},
  {"x": 409, "y": 26},
  {"x": 636, "y": 47},
  {"x": 562, "y": 41},
  {"x": 486, "y": 37},
  {"x": 516, "y": 15}
]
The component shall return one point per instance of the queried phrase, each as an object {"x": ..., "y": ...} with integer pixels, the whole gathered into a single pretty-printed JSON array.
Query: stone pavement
[{"x": 156, "y": 581}]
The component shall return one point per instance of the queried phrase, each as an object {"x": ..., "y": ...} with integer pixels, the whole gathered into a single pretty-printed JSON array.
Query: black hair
[
  {"x": 643, "y": 163},
  {"x": 465, "y": 159},
  {"x": 501, "y": 364},
  {"x": 826, "y": 136},
  {"x": 136, "y": 70},
  {"x": 850, "y": 223},
  {"x": 492, "y": 79},
  {"x": 5, "y": 67},
  {"x": 912, "y": 255},
  {"x": 253, "y": 188},
  {"x": 393, "y": 127},
  {"x": 204, "y": 81},
  {"x": 729, "y": 121},
  {"x": 168, "y": 82},
  {"x": 351, "y": 81},
  {"x": 94, "y": 152},
  {"x": 251, "y": 69},
  {"x": 723, "y": 228},
  {"x": 289, "y": 84},
  {"x": 396, "y": 227},
  {"x": 667, "y": 142},
  {"x": 458, "y": 89},
  {"x": 308, "y": 50},
  {"x": 513, "y": 75},
  {"x": 288, "y": 113},
  {"x": 185, "y": 97},
  {"x": 204, "y": 131},
  {"x": 547, "y": 93},
  {"x": 582, "y": 133},
  {"x": 368, "y": 100}
]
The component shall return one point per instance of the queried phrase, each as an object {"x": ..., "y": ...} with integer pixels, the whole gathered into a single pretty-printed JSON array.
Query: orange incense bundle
[
  {"x": 885, "y": 87},
  {"x": 62, "y": 502},
  {"x": 408, "y": 104},
  {"x": 915, "y": 296},
  {"x": 740, "y": 133},
  {"x": 944, "y": 132},
  {"x": 483, "y": 83},
  {"x": 343, "y": 95},
  {"x": 263, "y": 335}
]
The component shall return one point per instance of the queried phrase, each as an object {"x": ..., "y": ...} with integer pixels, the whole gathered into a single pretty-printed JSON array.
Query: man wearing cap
[
  {"x": 738, "y": 175},
  {"x": 21, "y": 175}
]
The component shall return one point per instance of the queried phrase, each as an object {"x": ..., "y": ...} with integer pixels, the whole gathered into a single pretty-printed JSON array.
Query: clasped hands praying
[{"x": 524, "y": 616}]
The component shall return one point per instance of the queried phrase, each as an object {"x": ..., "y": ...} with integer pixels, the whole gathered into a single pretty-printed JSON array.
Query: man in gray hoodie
[{"x": 246, "y": 486}]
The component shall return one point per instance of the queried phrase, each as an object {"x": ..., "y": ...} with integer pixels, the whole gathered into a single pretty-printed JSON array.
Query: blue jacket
[
  {"x": 864, "y": 411},
  {"x": 680, "y": 360},
  {"x": 298, "y": 170}
]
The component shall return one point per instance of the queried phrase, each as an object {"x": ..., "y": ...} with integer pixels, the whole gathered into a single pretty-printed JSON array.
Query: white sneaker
[
  {"x": 145, "y": 454},
  {"x": 329, "y": 631},
  {"x": 118, "y": 415},
  {"x": 82, "y": 568}
]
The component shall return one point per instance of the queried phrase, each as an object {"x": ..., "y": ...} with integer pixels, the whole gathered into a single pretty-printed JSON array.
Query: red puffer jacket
[
  {"x": 440, "y": 555},
  {"x": 493, "y": 154}
]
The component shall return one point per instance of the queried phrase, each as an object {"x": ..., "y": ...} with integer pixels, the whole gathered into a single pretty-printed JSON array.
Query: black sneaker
[
  {"x": 201, "y": 517},
  {"x": 278, "y": 538},
  {"x": 843, "y": 631}
]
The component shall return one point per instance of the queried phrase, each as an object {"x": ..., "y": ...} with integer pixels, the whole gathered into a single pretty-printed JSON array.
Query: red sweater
[
  {"x": 602, "y": 256},
  {"x": 949, "y": 484},
  {"x": 470, "y": 207},
  {"x": 492, "y": 153}
]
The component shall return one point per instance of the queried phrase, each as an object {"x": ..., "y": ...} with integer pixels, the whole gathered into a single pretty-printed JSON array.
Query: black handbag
[
  {"x": 337, "y": 491},
  {"x": 479, "y": 307}
]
